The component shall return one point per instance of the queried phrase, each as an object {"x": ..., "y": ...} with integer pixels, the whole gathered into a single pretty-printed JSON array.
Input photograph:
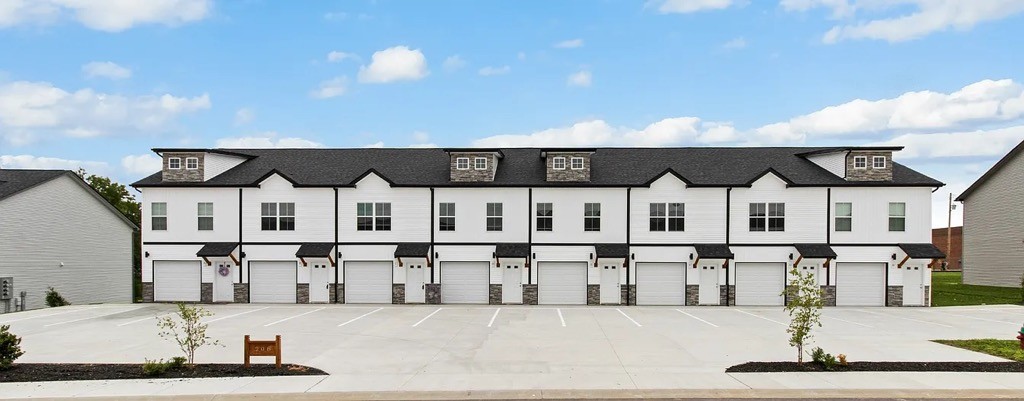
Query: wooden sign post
[{"x": 263, "y": 348}]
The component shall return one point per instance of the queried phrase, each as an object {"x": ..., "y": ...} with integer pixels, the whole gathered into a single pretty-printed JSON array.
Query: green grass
[
  {"x": 1008, "y": 349},
  {"x": 947, "y": 291}
]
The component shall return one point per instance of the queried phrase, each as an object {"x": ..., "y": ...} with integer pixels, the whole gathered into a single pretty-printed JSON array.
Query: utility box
[{"x": 6, "y": 288}]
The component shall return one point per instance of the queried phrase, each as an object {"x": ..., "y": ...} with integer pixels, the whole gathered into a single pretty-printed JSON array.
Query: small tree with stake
[
  {"x": 804, "y": 303},
  {"x": 190, "y": 333}
]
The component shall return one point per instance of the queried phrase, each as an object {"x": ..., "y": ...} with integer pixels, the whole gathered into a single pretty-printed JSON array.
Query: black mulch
[
  {"x": 768, "y": 367},
  {"x": 32, "y": 372}
]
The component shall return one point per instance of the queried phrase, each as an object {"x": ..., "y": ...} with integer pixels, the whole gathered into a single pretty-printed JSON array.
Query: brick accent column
[
  {"x": 593, "y": 294},
  {"x": 692, "y": 294},
  {"x": 828, "y": 295},
  {"x": 529, "y": 294},
  {"x": 628, "y": 294},
  {"x": 727, "y": 295},
  {"x": 494, "y": 298},
  {"x": 205, "y": 292},
  {"x": 241, "y": 292},
  {"x": 895, "y": 293},
  {"x": 433, "y": 295},
  {"x": 147, "y": 292},
  {"x": 397, "y": 294},
  {"x": 302, "y": 293},
  {"x": 333, "y": 290},
  {"x": 927, "y": 295}
]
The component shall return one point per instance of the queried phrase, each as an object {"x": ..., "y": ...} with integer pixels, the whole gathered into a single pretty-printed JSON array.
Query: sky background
[{"x": 97, "y": 84}]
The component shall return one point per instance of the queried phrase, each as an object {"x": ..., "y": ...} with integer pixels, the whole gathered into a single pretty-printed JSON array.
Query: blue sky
[{"x": 98, "y": 84}]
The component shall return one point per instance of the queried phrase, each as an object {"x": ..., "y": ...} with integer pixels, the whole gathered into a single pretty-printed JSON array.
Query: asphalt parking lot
[{"x": 428, "y": 347}]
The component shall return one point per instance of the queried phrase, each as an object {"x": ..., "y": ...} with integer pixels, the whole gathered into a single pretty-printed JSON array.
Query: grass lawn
[
  {"x": 1009, "y": 349},
  {"x": 947, "y": 291}
]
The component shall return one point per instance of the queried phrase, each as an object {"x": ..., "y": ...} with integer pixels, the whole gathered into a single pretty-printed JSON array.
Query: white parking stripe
[
  {"x": 360, "y": 316},
  {"x": 489, "y": 324},
  {"x": 86, "y": 318},
  {"x": 975, "y": 318},
  {"x": 293, "y": 317},
  {"x": 237, "y": 314},
  {"x": 904, "y": 318},
  {"x": 144, "y": 319},
  {"x": 427, "y": 317},
  {"x": 847, "y": 321},
  {"x": 52, "y": 314},
  {"x": 627, "y": 317},
  {"x": 760, "y": 317},
  {"x": 702, "y": 320},
  {"x": 560, "y": 316}
]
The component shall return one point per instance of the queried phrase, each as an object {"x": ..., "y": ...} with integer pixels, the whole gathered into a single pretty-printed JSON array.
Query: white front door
[
  {"x": 860, "y": 284},
  {"x": 611, "y": 292},
  {"x": 708, "y": 293},
  {"x": 562, "y": 283},
  {"x": 913, "y": 289},
  {"x": 760, "y": 284},
  {"x": 272, "y": 282},
  {"x": 415, "y": 290},
  {"x": 368, "y": 282},
  {"x": 465, "y": 282},
  {"x": 512, "y": 285},
  {"x": 319, "y": 279},
  {"x": 660, "y": 283},
  {"x": 223, "y": 282}
]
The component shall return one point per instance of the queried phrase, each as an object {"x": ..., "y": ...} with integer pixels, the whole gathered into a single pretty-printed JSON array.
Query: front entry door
[
  {"x": 223, "y": 283},
  {"x": 414, "y": 289},
  {"x": 512, "y": 285},
  {"x": 708, "y": 293},
  {"x": 319, "y": 291},
  {"x": 611, "y": 293},
  {"x": 913, "y": 290}
]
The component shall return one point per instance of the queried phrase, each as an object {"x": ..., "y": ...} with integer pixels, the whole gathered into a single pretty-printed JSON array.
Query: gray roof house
[
  {"x": 993, "y": 233},
  {"x": 56, "y": 231}
]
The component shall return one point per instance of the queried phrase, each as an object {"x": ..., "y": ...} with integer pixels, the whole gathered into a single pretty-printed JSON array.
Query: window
[
  {"x": 174, "y": 163},
  {"x": 494, "y": 217},
  {"x": 591, "y": 217},
  {"x": 446, "y": 221},
  {"x": 577, "y": 163},
  {"x": 878, "y": 162},
  {"x": 205, "y": 213},
  {"x": 860, "y": 162},
  {"x": 657, "y": 217},
  {"x": 668, "y": 216},
  {"x": 159, "y": 216},
  {"x": 544, "y": 215},
  {"x": 462, "y": 163},
  {"x": 277, "y": 216},
  {"x": 191, "y": 163},
  {"x": 558, "y": 163},
  {"x": 897, "y": 216},
  {"x": 844, "y": 216},
  {"x": 676, "y": 216},
  {"x": 375, "y": 216},
  {"x": 480, "y": 163},
  {"x": 767, "y": 217}
]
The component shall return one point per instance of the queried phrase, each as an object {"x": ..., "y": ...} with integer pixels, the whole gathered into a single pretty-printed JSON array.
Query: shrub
[
  {"x": 804, "y": 308},
  {"x": 177, "y": 362},
  {"x": 829, "y": 362},
  {"x": 154, "y": 367},
  {"x": 842, "y": 360},
  {"x": 53, "y": 298},
  {"x": 189, "y": 333},
  {"x": 10, "y": 347},
  {"x": 817, "y": 355}
]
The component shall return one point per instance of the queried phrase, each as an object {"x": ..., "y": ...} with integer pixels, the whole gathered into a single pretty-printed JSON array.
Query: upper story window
[
  {"x": 494, "y": 217},
  {"x": 897, "y": 216},
  {"x": 480, "y": 163},
  {"x": 374, "y": 216},
  {"x": 667, "y": 217},
  {"x": 878, "y": 162},
  {"x": 767, "y": 217},
  {"x": 462, "y": 163},
  {"x": 277, "y": 216},
  {"x": 844, "y": 216},
  {"x": 191, "y": 163},
  {"x": 158, "y": 216},
  {"x": 174, "y": 163},
  {"x": 205, "y": 213},
  {"x": 860, "y": 162},
  {"x": 545, "y": 215},
  {"x": 591, "y": 217},
  {"x": 576, "y": 163},
  {"x": 446, "y": 219},
  {"x": 558, "y": 163}
]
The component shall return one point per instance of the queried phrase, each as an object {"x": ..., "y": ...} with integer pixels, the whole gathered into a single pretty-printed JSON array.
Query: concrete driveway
[{"x": 424, "y": 348}]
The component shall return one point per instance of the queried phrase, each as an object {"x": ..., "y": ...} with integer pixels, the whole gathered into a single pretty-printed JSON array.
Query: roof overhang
[
  {"x": 544, "y": 152},
  {"x": 713, "y": 251},
  {"x": 218, "y": 250},
  {"x": 815, "y": 251},
  {"x": 512, "y": 250},
  {"x": 611, "y": 250},
  {"x": 495, "y": 151},
  {"x": 922, "y": 251},
  {"x": 412, "y": 250},
  {"x": 161, "y": 151}
]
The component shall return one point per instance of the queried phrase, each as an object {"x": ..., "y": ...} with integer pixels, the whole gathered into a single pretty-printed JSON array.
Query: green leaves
[
  {"x": 804, "y": 304},
  {"x": 10, "y": 347},
  {"x": 187, "y": 331}
]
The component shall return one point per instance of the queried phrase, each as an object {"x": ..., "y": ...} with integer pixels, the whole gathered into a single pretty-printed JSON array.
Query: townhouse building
[{"x": 622, "y": 226}]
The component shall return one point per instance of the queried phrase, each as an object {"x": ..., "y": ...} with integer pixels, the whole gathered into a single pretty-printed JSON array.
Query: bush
[
  {"x": 818, "y": 355},
  {"x": 177, "y": 362},
  {"x": 829, "y": 362},
  {"x": 842, "y": 360},
  {"x": 154, "y": 367},
  {"x": 10, "y": 347},
  {"x": 53, "y": 298}
]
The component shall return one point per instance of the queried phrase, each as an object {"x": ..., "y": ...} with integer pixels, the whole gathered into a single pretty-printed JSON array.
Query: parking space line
[
  {"x": 427, "y": 317},
  {"x": 560, "y": 316},
  {"x": 847, "y": 321},
  {"x": 699, "y": 319},
  {"x": 293, "y": 317},
  {"x": 52, "y": 314},
  {"x": 144, "y": 319},
  {"x": 360, "y": 316},
  {"x": 489, "y": 324},
  {"x": 237, "y": 314},
  {"x": 760, "y": 317},
  {"x": 86, "y": 318},
  {"x": 975, "y": 318},
  {"x": 627, "y": 317},
  {"x": 904, "y": 318}
]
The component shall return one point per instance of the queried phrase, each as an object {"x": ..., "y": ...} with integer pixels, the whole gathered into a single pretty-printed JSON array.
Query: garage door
[
  {"x": 860, "y": 284},
  {"x": 176, "y": 281},
  {"x": 760, "y": 284},
  {"x": 272, "y": 282},
  {"x": 368, "y": 282},
  {"x": 465, "y": 282},
  {"x": 660, "y": 283},
  {"x": 562, "y": 283}
]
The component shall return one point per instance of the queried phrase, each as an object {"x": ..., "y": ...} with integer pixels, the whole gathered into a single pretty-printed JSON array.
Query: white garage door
[
  {"x": 465, "y": 282},
  {"x": 860, "y": 284},
  {"x": 660, "y": 283},
  {"x": 176, "y": 281},
  {"x": 272, "y": 282},
  {"x": 368, "y": 282},
  {"x": 760, "y": 284},
  {"x": 562, "y": 283}
]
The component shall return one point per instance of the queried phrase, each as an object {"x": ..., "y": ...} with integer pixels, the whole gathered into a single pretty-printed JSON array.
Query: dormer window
[
  {"x": 192, "y": 163},
  {"x": 174, "y": 163},
  {"x": 480, "y": 163},
  {"x": 577, "y": 163},
  {"x": 878, "y": 162},
  {"x": 860, "y": 162},
  {"x": 558, "y": 163},
  {"x": 462, "y": 163}
]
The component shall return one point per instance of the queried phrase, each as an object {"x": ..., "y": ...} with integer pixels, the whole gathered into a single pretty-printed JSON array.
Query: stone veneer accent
[
  {"x": 242, "y": 293},
  {"x": 628, "y": 294},
  {"x": 147, "y": 292},
  {"x": 828, "y": 295},
  {"x": 472, "y": 174},
  {"x": 206, "y": 293},
  {"x": 568, "y": 175},
  {"x": 927, "y": 295},
  {"x": 494, "y": 296},
  {"x": 894, "y": 295},
  {"x": 593, "y": 294},
  {"x": 302, "y": 293},
  {"x": 333, "y": 289},
  {"x": 870, "y": 173},
  {"x": 692, "y": 294},
  {"x": 398, "y": 293},
  {"x": 727, "y": 297},
  {"x": 529, "y": 294},
  {"x": 182, "y": 174},
  {"x": 433, "y": 295}
]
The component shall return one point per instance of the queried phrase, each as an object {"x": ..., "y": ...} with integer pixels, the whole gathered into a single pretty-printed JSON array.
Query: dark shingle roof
[
  {"x": 713, "y": 251},
  {"x": 815, "y": 251},
  {"x": 412, "y": 250},
  {"x": 314, "y": 250},
  {"x": 15, "y": 181},
  {"x": 611, "y": 250},
  {"x": 217, "y": 249},
  {"x": 922, "y": 251},
  {"x": 698, "y": 166},
  {"x": 512, "y": 250}
]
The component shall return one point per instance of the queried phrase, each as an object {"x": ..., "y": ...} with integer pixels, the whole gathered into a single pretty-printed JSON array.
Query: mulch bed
[
  {"x": 32, "y": 372},
  {"x": 769, "y": 367}
]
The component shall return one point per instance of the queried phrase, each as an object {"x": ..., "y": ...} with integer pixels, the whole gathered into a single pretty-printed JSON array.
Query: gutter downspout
[
  {"x": 337, "y": 260},
  {"x": 728, "y": 215},
  {"x": 629, "y": 229}
]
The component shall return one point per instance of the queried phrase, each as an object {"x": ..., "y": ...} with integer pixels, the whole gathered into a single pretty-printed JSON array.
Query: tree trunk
[{"x": 800, "y": 354}]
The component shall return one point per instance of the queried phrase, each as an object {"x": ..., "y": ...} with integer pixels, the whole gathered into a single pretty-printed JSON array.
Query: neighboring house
[
  {"x": 651, "y": 226},
  {"x": 57, "y": 231},
  {"x": 954, "y": 255},
  {"x": 994, "y": 224}
]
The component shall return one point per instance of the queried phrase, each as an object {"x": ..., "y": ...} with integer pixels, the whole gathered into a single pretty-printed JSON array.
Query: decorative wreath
[{"x": 224, "y": 271}]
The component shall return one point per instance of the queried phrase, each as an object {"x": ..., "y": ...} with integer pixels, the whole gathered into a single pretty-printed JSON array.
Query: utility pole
[{"x": 949, "y": 230}]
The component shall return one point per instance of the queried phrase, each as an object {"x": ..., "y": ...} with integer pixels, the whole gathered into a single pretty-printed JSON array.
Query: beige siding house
[{"x": 993, "y": 233}]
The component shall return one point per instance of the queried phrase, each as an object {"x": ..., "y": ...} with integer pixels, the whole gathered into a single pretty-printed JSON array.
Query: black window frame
[
  {"x": 902, "y": 218},
  {"x": 158, "y": 222},
  {"x": 843, "y": 223},
  {"x": 446, "y": 216},
  {"x": 545, "y": 212},
  {"x": 591, "y": 216},
  {"x": 277, "y": 216},
  {"x": 495, "y": 220},
  {"x": 201, "y": 218}
]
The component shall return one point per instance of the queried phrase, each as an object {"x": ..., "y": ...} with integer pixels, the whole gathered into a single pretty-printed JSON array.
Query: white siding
[
  {"x": 805, "y": 212},
  {"x": 214, "y": 164},
  {"x": 410, "y": 212},
  {"x": 183, "y": 214},
  {"x": 993, "y": 233},
  {"x": 704, "y": 209},
  {"x": 314, "y": 212},
  {"x": 835, "y": 163},
  {"x": 471, "y": 214},
  {"x": 871, "y": 215},
  {"x": 61, "y": 222},
  {"x": 567, "y": 209}
]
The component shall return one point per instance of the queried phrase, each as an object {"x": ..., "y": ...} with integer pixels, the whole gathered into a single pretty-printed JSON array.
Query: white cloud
[
  {"x": 378, "y": 144},
  {"x": 581, "y": 78},
  {"x": 335, "y": 16},
  {"x": 336, "y": 57},
  {"x": 51, "y": 163},
  {"x": 244, "y": 116},
  {"x": 735, "y": 44},
  {"x": 453, "y": 63},
  {"x": 330, "y": 88},
  {"x": 30, "y": 109},
  {"x": 423, "y": 145},
  {"x": 106, "y": 69},
  {"x": 110, "y": 16},
  {"x": 690, "y": 6},
  {"x": 489, "y": 70},
  {"x": 420, "y": 136},
  {"x": 666, "y": 132},
  {"x": 980, "y": 143},
  {"x": 521, "y": 56},
  {"x": 266, "y": 140},
  {"x": 569, "y": 44},
  {"x": 397, "y": 63},
  {"x": 143, "y": 164}
]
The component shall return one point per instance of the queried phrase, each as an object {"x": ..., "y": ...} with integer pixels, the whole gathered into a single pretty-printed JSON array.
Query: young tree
[
  {"x": 804, "y": 303},
  {"x": 190, "y": 333}
]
